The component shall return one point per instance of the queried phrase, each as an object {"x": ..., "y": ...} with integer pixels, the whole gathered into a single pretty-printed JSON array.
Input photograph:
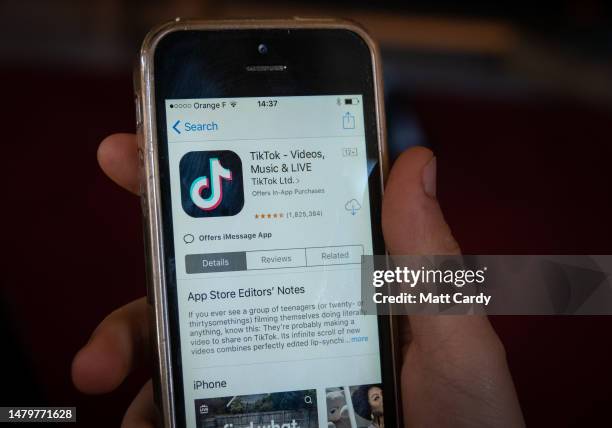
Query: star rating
[{"x": 269, "y": 215}]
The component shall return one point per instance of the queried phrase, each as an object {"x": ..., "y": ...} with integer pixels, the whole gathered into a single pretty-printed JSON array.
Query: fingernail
[{"x": 429, "y": 178}]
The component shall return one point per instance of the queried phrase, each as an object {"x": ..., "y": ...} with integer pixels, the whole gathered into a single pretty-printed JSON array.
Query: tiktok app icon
[{"x": 211, "y": 183}]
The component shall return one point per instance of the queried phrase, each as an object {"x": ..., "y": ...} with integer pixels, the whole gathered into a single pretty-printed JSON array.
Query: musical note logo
[
  {"x": 211, "y": 183},
  {"x": 217, "y": 174}
]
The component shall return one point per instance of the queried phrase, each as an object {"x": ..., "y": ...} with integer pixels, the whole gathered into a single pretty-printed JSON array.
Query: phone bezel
[{"x": 152, "y": 141}]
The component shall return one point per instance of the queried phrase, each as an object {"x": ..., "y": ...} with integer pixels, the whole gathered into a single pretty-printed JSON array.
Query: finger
[
  {"x": 413, "y": 224},
  {"x": 118, "y": 158},
  {"x": 119, "y": 343},
  {"x": 459, "y": 350},
  {"x": 412, "y": 220},
  {"x": 142, "y": 412}
]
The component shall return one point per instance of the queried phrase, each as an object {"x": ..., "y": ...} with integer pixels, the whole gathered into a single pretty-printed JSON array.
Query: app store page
[{"x": 271, "y": 216}]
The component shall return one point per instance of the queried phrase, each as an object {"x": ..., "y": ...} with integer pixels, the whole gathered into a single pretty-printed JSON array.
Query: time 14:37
[{"x": 267, "y": 103}]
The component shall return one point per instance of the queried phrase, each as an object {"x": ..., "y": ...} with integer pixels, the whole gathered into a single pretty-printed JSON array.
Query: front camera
[{"x": 262, "y": 49}]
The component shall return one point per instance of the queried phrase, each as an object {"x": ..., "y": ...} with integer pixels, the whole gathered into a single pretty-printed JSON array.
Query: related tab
[{"x": 323, "y": 256}]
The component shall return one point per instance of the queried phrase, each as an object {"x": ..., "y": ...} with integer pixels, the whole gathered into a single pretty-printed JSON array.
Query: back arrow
[{"x": 175, "y": 126}]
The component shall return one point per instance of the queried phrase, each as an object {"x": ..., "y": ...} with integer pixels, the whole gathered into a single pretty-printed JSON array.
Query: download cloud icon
[{"x": 353, "y": 206}]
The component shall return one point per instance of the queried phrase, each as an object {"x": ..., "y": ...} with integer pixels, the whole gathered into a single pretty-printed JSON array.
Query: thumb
[
  {"x": 413, "y": 224},
  {"x": 412, "y": 221}
]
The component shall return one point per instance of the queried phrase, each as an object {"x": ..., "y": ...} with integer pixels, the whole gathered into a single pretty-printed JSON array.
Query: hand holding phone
[
  {"x": 412, "y": 225},
  {"x": 212, "y": 247}
]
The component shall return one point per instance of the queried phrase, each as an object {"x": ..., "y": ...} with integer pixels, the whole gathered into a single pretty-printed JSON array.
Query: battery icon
[{"x": 351, "y": 101}]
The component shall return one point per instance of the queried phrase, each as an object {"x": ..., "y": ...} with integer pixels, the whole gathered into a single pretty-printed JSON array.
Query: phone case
[{"x": 150, "y": 186}]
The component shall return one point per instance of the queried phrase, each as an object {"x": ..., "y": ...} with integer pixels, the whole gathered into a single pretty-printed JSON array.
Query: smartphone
[{"x": 262, "y": 148}]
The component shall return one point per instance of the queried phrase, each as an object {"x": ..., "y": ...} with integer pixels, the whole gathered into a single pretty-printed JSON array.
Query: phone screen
[{"x": 271, "y": 214}]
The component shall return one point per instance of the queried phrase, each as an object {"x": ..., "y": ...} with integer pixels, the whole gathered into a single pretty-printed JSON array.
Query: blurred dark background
[{"x": 515, "y": 99}]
